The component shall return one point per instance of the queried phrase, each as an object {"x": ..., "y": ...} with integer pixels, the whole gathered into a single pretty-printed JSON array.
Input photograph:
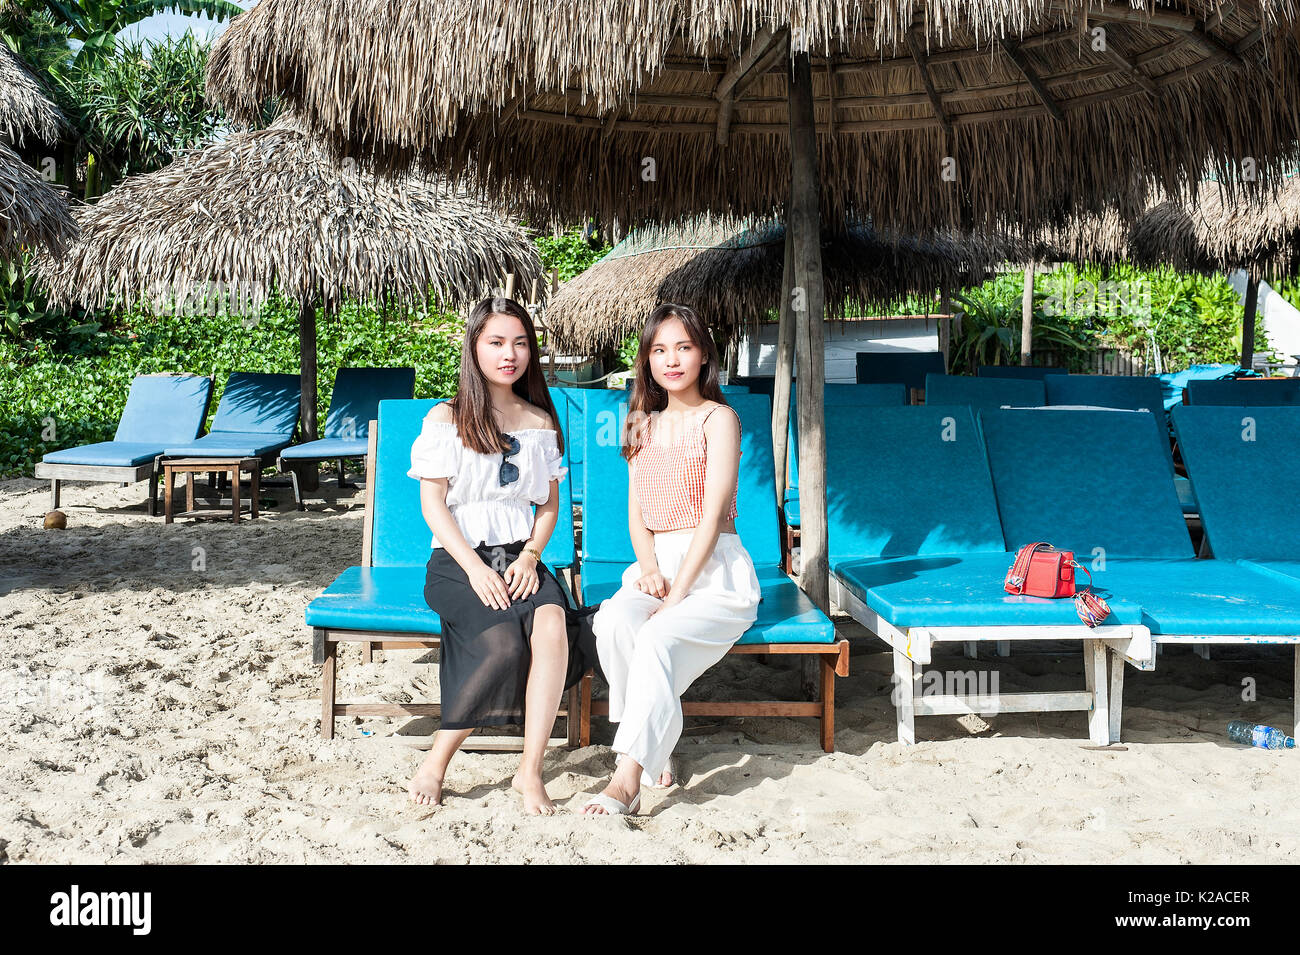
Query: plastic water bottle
[{"x": 1265, "y": 737}]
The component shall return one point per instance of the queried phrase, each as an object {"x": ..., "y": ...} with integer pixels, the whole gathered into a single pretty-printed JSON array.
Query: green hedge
[{"x": 80, "y": 381}]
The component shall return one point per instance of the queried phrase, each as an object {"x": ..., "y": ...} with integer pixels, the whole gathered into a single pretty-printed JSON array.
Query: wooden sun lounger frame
[
  {"x": 58, "y": 473},
  {"x": 326, "y": 640},
  {"x": 833, "y": 659},
  {"x": 1105, "y": 651},
  {"x": 109, "y": 474}
]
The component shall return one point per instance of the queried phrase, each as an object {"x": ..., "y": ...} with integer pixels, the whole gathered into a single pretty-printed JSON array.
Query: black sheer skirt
[{"x": 485, "y": 651}]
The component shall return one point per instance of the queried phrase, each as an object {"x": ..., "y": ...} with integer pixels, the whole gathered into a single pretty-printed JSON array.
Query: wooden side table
[{"x": 191, "y": 466}]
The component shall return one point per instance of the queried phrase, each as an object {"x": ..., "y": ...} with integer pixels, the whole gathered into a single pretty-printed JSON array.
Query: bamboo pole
[
  {"x": 785, "y": 336},
  {"x": 1027, "y": 318},
  {"x": 810, "y": 356},
  {"x": 1248, "y": 321}
]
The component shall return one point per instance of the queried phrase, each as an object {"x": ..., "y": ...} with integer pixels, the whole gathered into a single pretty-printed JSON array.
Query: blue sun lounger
[
  {"x": 1123, "y": 392},
  {"x": 984, "y": 392},
  {"x": 918, "y": 556},
  {"x": 1132, "y": 536},
  {"x": 1251, "y": 490},
  {"x": 906, "y": 368},
  {"x": 256, "y": 418},
  {"x": 160, "y": 409},
  {"x": 571, "y": 407},
  {"x": 788, "y": 622},
  {"x": 1172, "y": 383},
  {"x": 380, "y": 603},
  {"x": 354, "y": 403},
  {"x": 1245, "y": 392},
  {"x": 833, "y": 396},
  {"x": 1034, "y": 372}
]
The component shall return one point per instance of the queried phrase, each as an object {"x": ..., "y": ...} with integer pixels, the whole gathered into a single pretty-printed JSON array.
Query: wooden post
[
  {"x": 810, "y": 350},
  {"x": 785, "y": 335},
  {"x": 510, "y": 285},
  {"x": 1248, "y": 321},
  {"x": 308, "y": 477},
  {"x": 1027, "y": 318}
]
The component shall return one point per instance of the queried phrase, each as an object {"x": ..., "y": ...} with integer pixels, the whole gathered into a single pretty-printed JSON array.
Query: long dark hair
[
  {"x": 472, "y": 407},
  {"x": 648, "y": 396}
]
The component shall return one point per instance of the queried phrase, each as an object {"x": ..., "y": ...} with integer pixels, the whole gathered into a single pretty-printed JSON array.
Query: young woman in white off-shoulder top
[{"x": 488, "y": 462}]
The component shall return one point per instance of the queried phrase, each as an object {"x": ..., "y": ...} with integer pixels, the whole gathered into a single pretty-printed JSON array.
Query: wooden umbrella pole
[
  {"x": 1027, "y": 318},
  {"x": 1248, "y": 321},
  {"x": 808, "y": 306},
  {"x": 308, "y": 474},
  {"x": 785, "y": 336},
  {"x": 307, "y": 360}
]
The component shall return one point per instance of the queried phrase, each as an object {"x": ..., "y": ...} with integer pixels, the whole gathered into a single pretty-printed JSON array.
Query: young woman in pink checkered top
[{"x": 692, "y": 592}]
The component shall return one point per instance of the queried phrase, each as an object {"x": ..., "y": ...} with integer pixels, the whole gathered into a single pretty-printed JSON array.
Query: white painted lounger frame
[
  {"x": 1105, "y": 651},
  {"x": 1201, "y": 645}
]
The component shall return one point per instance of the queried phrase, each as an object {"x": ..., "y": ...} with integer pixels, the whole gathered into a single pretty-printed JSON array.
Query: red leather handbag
[{"x": 1040, "y": 570}]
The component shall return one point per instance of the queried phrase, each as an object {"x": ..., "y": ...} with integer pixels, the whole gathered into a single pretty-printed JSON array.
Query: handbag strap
[{"x": 1015, "y": 582}]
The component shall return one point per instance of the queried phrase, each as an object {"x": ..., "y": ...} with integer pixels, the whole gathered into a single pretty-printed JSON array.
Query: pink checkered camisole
[{"x": 669, "y": 476}]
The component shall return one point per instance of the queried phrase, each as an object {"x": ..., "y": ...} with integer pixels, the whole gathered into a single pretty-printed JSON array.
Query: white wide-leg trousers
[{"x": 650, "y": 658}]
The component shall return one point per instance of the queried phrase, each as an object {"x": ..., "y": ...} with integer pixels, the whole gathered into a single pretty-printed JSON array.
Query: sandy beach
[{"x": 159, "y": 704}]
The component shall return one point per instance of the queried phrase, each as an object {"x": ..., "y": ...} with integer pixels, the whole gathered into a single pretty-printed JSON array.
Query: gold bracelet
[{"x": 528, "y": 550}]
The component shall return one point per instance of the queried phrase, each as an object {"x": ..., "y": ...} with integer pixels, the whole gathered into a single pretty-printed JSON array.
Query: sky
[{"x": 162, "y": 24}]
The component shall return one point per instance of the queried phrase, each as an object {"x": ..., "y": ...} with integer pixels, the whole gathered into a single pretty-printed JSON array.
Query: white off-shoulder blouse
[{"x": 485, "y": 511}]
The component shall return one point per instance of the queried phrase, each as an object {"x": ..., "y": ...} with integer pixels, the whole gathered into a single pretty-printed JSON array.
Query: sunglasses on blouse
[{"x": 509, "y": 473}]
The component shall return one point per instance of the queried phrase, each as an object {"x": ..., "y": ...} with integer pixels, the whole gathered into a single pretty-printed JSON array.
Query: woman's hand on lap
[
  {"x": 653, "y": 584},
  {"x": 489, "y": 586},
  {"x": 521, "y": 577}
]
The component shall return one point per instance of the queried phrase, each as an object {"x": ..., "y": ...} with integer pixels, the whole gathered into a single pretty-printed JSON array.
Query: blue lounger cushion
[
  {"x": 571, "y": 409},
  {"x": 1173, "y": 383},
  {"x": 919, "y": 487},
  {"x": 1247, "y": 484},
  {"x": 354, "y": 403},
  {"x": 1285, "y": 570},
  {"x": 1018, "y": 371},
  {"x": 1206, "y": 597},
  {"x": 961, "y": 590},
  {"x": 907, "y": 368},
  {"x": 106, "y": 454},
  {"x": 256, "y": 417},
  {"x": 326, "y": 448},
  {"x": 834, "y": 395},
  {"x": 1244, "y": 392},
  {"x": 230, "y": 444},
  {"x": 159, "y": 409},
  {"x": 1041, "y": 458},
  {"x": 375, "y": 598},
  {"x": 984, "y": 392},
  {"x": 1132, "y": 392}
]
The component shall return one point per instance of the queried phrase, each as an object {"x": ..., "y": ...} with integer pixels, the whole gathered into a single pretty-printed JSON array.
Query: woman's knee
[{"x": 550, "y": 630}]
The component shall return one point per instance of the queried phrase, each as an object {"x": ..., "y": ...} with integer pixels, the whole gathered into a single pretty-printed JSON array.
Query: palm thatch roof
[
  {"x": 32, "y": 212},
  {"x": 270, "y": 209},
  {"x": 929, "y": 113},
  {"x": 730, "y": 272},
  {"x": 1214, "y": 233},
  {"x": 24, "y": 107}
]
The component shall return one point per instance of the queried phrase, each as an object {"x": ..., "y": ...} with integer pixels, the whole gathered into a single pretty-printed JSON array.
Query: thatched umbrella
[
  {"x": 919, "y": 114},
  {"x": 269, "y": 209},
  {"x": 32, "y": 212},
  {"x": 731, "y": 271},
  {"x": 1213, "y": 233},
  {"x": 24, "y": 107}
]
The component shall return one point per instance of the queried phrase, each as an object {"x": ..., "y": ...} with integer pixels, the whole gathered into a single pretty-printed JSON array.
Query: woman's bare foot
[
  {"x": 531, "y": 787},
  {"x": 426, "y": 785},
  {"x": 666, "y": 778},
  {"x": 615, "y": 790}
]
